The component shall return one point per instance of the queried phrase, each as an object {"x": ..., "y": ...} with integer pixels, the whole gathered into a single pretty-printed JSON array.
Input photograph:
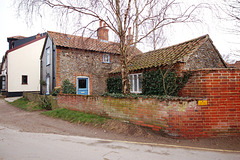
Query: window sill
[
  {"x": 136, "y": 92},
  {"x": 106, "y": 62}
]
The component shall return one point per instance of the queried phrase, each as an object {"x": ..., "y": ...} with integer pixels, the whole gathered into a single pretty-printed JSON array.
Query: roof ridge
[
  {"x": 86, "y": 43},
  {"x": 81, "y": 37},
  {"x": 201, "y": 37},
  {"x": 167, "y": 55}
]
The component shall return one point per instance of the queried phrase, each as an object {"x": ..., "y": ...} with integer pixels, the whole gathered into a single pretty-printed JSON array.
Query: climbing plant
[
  {"x": 156, "y": 82},
  {"x": 163, "y": 82},
  {"x": 114, "y": 84}
]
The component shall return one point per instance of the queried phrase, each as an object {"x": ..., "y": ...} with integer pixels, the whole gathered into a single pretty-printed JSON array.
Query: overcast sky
[{"x": 12, "y": 25}]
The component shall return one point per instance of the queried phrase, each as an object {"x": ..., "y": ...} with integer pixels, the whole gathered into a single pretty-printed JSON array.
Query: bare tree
[
  {"x": 118, "y": 16},
  {"x": 232, "y": 9},
  {"x": 228, "y": 11}
]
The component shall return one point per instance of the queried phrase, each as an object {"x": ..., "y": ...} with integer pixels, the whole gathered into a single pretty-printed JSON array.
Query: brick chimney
[
  {"x": 129, "y": 36},
  {"x": 102, "y": 32}
]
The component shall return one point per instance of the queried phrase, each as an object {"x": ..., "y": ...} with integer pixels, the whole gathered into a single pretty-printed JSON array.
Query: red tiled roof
[
  {"x": 165, "y": 56},
  {"x": 79, "y": 42}
]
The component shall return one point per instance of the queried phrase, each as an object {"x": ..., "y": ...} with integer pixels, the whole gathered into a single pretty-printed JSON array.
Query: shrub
[
  {"x": 55, "y": 92},
  {"x": 68, "y": 87},
  {"x": 45, "y": 103},
  {"x": 114, "y": 85}
]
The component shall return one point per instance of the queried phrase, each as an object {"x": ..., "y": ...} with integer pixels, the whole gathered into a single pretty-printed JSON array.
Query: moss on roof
[{"x": 165, "y": 56}]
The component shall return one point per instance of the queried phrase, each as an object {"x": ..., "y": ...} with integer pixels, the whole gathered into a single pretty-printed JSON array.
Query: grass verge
[
  {"x": 62, "y": 113},
  {"x": 26, "y": 105},
  {"x": 76, "y": 116}
]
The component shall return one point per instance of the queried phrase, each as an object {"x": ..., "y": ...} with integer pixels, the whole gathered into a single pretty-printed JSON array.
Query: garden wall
[
  {"x": 214, "y": 110},
  {"x": 36, "y": 97},
  {"x": 146, "y": 112},
  {"x": 221, "y": 90}
]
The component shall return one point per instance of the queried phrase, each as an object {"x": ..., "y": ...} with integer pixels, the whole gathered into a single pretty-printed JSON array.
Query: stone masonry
[{"x": 72, "y": 63}]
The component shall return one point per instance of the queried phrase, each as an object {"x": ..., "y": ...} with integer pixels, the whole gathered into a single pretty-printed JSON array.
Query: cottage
[
  {"x": 20, "y": 68},
  {"x": 85, "y": 62},
  {"x": 194, "y": 54}
]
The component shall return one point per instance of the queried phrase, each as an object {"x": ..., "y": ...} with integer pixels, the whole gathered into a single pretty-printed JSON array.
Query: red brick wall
[
  {"x": 179, "y": 117},
  {"x": 221, "y": 89},
  {"x": 146, "y": 112}
]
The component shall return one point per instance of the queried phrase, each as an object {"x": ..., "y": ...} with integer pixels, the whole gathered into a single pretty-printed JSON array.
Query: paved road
[{"x": 16, "y": 145}]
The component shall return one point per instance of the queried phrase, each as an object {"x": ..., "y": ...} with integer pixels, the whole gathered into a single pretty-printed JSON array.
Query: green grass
[
  {"x": 26, "y": 105},
  {"x": 76, "y": 116},
  {"x": 62, "y": 113}
]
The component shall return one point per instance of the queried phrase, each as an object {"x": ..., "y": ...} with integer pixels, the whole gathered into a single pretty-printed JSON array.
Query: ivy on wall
[
  {"x": 163, "y": 82},
  {"x": 114, "y": 85},
  {"x": 156, "y": 82}
]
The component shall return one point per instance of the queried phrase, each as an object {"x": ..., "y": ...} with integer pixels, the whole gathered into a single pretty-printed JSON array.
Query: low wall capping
[{"x": 215, "y": 69}]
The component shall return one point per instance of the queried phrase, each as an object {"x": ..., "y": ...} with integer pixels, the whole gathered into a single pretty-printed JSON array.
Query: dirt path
[{"x": 15, "y": 118}]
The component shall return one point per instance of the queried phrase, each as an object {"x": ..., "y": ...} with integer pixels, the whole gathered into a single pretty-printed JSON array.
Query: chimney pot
[
  {"x": 38, "y": 35},
  {"x": 129, "y": 36}
]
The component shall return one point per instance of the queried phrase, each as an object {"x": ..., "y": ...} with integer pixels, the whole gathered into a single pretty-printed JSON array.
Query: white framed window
[
  {"x": 135, "y": 83},
  {"x": 106, "y": 58},
  {"x": 24, "y": 79},
  {"x": 48, "y": 56}
]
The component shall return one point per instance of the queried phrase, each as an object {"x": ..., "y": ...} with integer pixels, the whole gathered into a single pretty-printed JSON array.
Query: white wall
[{"x": 25, "y": 61}]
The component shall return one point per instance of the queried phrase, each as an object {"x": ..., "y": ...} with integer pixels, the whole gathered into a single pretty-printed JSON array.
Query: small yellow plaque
[{"x": 202, "y": 102}]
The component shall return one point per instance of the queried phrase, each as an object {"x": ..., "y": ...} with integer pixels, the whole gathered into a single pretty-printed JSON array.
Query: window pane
[
  {"x": 135, "y": 83},
  {"x": 48, "y": 56},
  {"x": 3, "y": 85},
  {"x": 47, "y": 85},
  {"x": 82, "y": 83},
  {"x": 24, "y": 80},
  {"x": 106, "y": 58}
]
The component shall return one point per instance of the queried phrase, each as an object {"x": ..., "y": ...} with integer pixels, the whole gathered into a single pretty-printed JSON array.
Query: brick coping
[{"x": 214, "y": 69}]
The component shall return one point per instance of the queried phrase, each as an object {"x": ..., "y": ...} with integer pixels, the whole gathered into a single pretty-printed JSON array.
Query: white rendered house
[{"x": 21, "y": 67}]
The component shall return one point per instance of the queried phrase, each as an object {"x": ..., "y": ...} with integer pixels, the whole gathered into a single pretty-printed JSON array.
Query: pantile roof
[
  {"x": 165, "y": 56},
  {"x": 79, "y": 42}
]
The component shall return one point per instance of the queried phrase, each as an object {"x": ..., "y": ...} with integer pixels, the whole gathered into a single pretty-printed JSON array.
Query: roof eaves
[
  {"x": 25, "y": 44},
  {"x": 218, "y": 53}
]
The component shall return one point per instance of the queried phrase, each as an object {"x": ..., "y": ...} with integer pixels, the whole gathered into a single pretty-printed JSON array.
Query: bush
[
  {"x": 45, "y": 103},
  {"x": 114, "y": 85},
  {"x": 68, "y": 87},
  {"x": 55, "y": 92}
]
